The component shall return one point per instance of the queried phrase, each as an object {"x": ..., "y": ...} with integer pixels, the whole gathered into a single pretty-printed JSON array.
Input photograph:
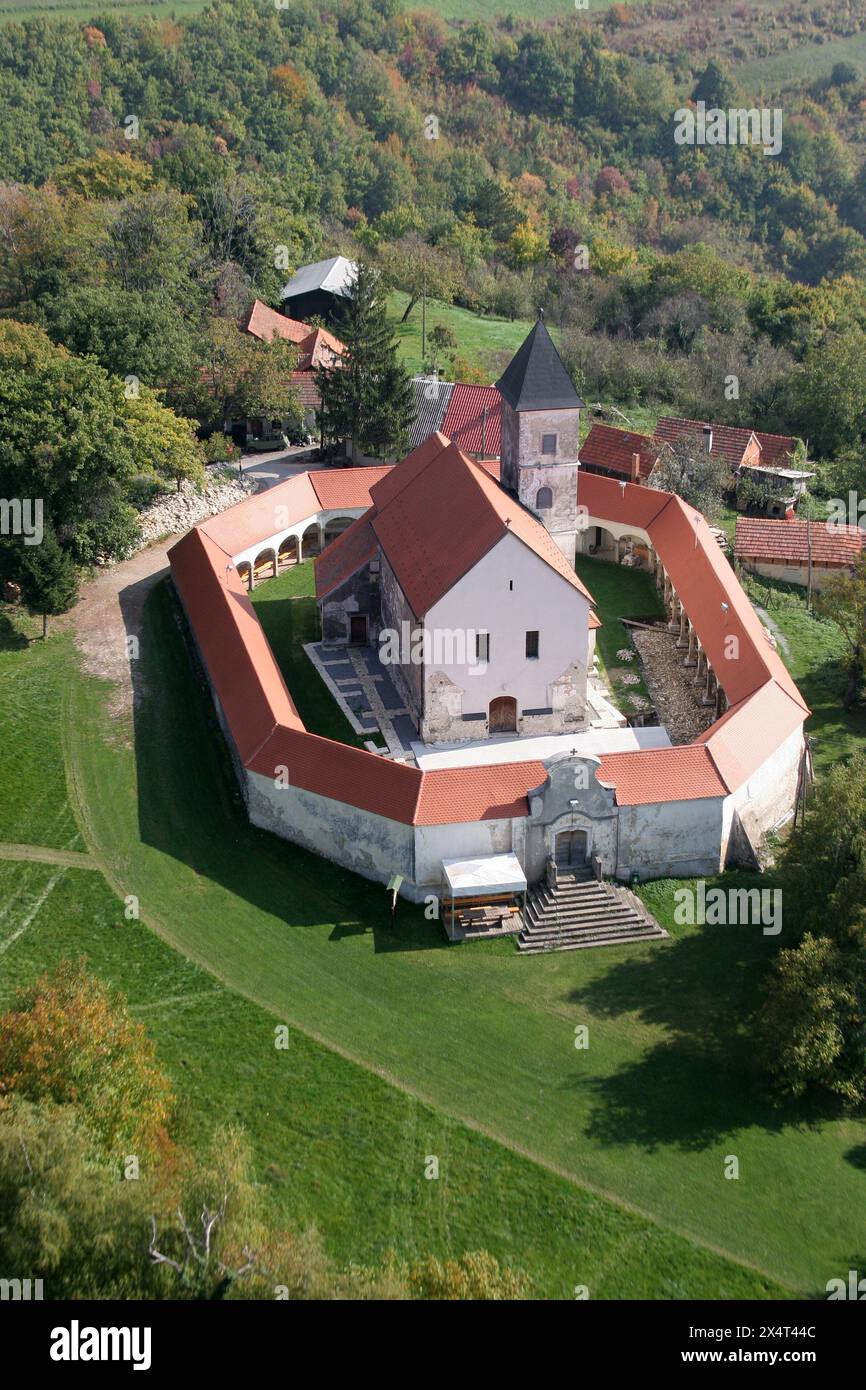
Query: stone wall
[
  {"x": 359, "y": 594},
  {"x": 180, "y": 511}
]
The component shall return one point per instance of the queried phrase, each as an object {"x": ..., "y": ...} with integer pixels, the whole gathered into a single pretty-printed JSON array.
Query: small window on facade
[
  {"x": 482, "y": 646},
  {"x": 543, "y": 499},
  {"x": 532, "y": 645},
  {"x": 548, "y": 443}
]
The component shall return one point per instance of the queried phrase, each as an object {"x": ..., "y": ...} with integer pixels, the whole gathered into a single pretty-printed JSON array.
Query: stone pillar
[{"x": 690, "y": 654}]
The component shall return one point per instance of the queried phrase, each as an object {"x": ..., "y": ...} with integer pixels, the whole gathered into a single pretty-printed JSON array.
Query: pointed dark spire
[{"x": 535, "y": 378}]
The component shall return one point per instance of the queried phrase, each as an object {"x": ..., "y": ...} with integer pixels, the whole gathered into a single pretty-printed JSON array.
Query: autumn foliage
[{"x": 69, "y": 1039}]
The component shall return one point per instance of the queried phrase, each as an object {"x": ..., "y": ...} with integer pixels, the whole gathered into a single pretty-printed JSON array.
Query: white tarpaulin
[{"x": 475, "y": 878}]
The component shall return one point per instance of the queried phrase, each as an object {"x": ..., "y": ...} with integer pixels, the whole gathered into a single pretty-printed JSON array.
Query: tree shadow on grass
[
  {"x": 11, "y": 640},
  {"x": 190, "y": 806},
  {"x": 702, "y": 1084}
]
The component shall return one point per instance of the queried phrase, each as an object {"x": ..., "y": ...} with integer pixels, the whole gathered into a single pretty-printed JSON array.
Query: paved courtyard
[{"x": 368, "y": 697}]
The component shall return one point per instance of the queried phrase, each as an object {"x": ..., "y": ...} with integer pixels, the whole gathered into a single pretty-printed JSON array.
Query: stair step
[
  {"x": 537, "y": 948},
  {"x": 567, "y": 933},
  {"x": 583, "y": 914}
]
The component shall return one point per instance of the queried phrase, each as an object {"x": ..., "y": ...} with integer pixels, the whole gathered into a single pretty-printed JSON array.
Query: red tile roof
[
  {"x": 345, "y": 555},
  {"x": 346, "y": 487},
  {"x": 491, "y": 792},
  {"x": 314, "y": 343},
  {"x": 445, "y": 518},
  {"x": 263, "y": 515},
  {"x": 464, "y": 419},
  {"x": 767, "y": 707},
  {"x": 232, "y": 643},
  {"x": 304, "y": 385},
  {"x": 787, "y": 542},
  {"x": 266, "y": 324},
  {"x": 612, "y": 449},
  {"x": 729, "y": 441},
  {"x": 645, "y": 776},
  {"x": 281, "y": 507}
]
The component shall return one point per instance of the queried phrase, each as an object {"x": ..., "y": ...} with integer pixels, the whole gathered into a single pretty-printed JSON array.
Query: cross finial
[{"x": 540, "y": 314}]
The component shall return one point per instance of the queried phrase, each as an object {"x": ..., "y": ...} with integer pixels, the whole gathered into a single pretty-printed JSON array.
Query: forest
[{"x": 156, "y": 175}]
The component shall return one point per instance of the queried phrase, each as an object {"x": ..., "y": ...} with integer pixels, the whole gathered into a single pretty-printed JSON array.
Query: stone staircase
[{"x": 580, "y": 912}]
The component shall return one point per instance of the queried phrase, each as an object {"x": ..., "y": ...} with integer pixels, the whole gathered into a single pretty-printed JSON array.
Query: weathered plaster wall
[
  {"x": 671, "y": 839},
  {"x": 368, "y": 844},
  {"x": 433, "y": 843},
  {"x": 768, "y": 795},
  {"x": 525, "y": 468},
  {"x": 794, "y": 574},
  {"x": 571, "y": 798}
]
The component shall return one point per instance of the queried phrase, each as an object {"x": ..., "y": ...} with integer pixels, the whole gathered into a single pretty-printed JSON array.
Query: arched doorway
[
  {"x": 502, "y": 717},
  {"x": 245, "y": 573},
  {"x": 265, "y": 565},
  {"x": 570, "y": 850},
  {"x": 288, "y": 552},
  {"x": 335, "y": 527},
  {"x": 311, "y": 541}
]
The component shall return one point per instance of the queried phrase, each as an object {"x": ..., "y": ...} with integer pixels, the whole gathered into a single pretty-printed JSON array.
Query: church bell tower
[{"x": 540, "y": 435}]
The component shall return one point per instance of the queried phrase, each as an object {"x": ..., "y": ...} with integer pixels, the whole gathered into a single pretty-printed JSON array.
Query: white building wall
[
  {"x": 671, "y": 839},
  {"x": 433, "y": 843},
  {"x": 768, "y": 795},
  {"x": 794, "y": 574},
  {"x": 368, "y": 844},
  {"x": 510, "y": 592}
]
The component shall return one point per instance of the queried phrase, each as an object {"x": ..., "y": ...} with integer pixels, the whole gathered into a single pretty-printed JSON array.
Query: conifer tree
[{"x": 366, "y": 392}]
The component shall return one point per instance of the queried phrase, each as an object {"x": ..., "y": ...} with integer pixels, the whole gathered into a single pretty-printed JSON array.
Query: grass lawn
[
  {"x": 336, "y": 1145},
  {"x": 643, "y": 1119},
  {"x": 619, "y": 593},
  {"x": 814, "y": 653},
  {"x": 478, "y": 338},
  {"x": 34, "y": 806},
  {"x": 287, "y": 612}
]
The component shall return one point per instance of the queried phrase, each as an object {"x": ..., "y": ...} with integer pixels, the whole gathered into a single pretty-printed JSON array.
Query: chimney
[
  {"x": 635, "y": 468},
  {"x": 708, "y": 438}
]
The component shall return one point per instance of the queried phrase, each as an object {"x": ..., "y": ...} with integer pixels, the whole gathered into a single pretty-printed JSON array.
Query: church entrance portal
[
  {"x": 503, "y": 715},
  {"x": 571, "y": 847}
]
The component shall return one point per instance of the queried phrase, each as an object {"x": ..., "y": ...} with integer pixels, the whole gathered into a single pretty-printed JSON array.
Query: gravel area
[{"x": 676, "y": 700}]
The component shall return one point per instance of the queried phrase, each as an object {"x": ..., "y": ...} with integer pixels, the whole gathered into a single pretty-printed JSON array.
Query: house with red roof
[
  {"x": 764, "y": 459},
  {"x": 616, "y": 453},
  {"x": 483, "y": 622},
  {"x": 316, "y": 347},
  {"x": 797, "y": 551}
]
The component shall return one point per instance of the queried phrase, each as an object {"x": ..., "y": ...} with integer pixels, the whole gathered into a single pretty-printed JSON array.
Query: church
[
  {"x": 466, "y": 584},
  {"x": 451, "y": 580}
]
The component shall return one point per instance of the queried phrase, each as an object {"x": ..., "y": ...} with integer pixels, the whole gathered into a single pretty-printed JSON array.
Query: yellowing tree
[{"x": 69, "y": 1039}]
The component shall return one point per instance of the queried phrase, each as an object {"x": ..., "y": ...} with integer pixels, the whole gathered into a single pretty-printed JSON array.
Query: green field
[
  {"x": 449, "y": 9},
  {"x": 814, "y": 652},
  {"x": 337, "y": 1144},
  {"x": 469, "y": 1049},
  {"x": 803, "y": 63},
  {"x": 619, "y": 593},
  {"x": 480, "y": 338}
]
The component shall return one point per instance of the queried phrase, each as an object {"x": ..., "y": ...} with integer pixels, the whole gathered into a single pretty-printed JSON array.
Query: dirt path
[
  {"x": 109, "y": 613},
  {"x": 38, "y": 854}
]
